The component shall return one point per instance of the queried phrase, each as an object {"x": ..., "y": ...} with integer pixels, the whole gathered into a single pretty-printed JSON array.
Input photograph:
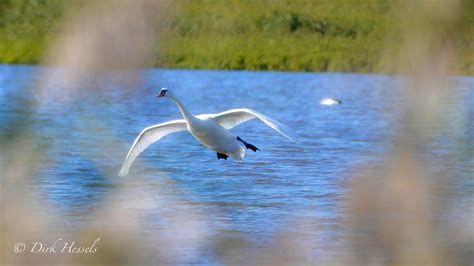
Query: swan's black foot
[
  {"x": 252, "y": 147},
  {"x": 248, "y": 145},
  {"x": 221, "y": 156}
]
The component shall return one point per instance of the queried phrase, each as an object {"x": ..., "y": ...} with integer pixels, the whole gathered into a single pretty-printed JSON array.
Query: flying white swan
[{"x": 212, "y": 130}]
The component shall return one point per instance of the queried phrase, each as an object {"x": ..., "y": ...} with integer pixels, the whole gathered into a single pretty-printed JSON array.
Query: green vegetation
[
  {"x": 278, "y": 35},
  {"x": 26, "y": 27},
  {"x": 303, "y": 35}
]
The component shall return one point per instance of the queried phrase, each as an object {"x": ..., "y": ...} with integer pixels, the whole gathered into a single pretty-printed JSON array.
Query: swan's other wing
[
  {"x": 148, "y": 136},
  {"x": 234, "y": 117}
]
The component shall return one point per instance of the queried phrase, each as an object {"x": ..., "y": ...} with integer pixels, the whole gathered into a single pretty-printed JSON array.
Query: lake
[{"x": 84, "y": 139}]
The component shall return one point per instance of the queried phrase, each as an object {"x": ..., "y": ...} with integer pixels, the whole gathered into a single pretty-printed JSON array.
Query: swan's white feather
[
  {"x": 234, "y": 117},
  {"x": 148, "y": 136}
]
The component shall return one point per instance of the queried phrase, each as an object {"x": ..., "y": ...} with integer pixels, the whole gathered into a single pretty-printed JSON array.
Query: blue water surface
[{"x": 85, "y": 138}]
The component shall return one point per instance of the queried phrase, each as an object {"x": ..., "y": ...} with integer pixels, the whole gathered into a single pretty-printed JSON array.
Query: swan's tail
[{"x": 239, "y": 154}]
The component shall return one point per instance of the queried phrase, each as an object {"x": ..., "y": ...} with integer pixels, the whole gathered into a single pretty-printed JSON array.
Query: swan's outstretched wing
[
  {"x": 148, "y": 136},
  {"x": 234, "y": 117}
]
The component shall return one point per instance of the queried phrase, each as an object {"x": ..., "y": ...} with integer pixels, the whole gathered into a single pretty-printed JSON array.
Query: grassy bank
[
  {"x": 303, "y": 35},
  {"x": 26, "y": 27}
]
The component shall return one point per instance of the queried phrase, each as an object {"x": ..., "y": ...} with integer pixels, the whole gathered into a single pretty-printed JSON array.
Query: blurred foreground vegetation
[{"x": 302, "y": 35}]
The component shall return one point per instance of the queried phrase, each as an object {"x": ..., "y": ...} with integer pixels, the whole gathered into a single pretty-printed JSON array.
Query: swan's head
[{"x": 163, "y": 92}]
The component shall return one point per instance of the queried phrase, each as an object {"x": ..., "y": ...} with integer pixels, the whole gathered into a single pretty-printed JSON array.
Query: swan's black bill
[{"x": 162, "y": 93}]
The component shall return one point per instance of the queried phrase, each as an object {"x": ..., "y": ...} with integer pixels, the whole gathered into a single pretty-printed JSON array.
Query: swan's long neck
[{"x": 186, "y": 115}]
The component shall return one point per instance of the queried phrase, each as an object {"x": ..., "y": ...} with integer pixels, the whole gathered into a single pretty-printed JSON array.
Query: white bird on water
[
  {"x": 212, "y": 130},
  {"x": 329, "y": 101}
]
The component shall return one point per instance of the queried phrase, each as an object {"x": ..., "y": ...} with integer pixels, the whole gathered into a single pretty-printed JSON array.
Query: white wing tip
[
  {"x": 292, "y": 137},
  {"x": 279, "y": 127},
  {"x": 296, "y": 140},
  {"x": 123, "y": 171}
]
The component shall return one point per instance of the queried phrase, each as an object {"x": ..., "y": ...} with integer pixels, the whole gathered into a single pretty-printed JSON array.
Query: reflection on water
[{"x": 87, "y": 139}]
